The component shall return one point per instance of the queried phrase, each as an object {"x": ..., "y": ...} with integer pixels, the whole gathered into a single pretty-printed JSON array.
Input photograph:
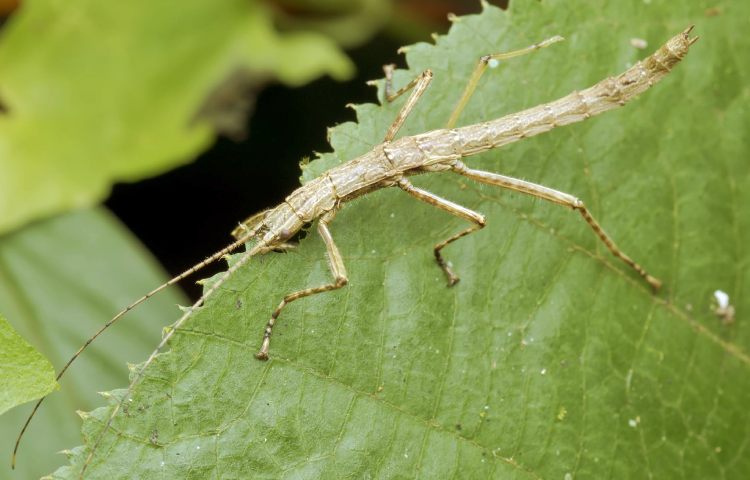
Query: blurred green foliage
[
  {"x": 98, "y": 92},
  {"x": 25, "y": 375},
  {"x": 60, "y": 280}
]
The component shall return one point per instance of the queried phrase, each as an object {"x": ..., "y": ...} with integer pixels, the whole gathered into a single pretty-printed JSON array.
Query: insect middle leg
[
  {"x": 559, "y": 198},
  {"x": 421, "y": 82},
  {"x": 335, "y": 264},
  {"x": 453, "y": 208}
]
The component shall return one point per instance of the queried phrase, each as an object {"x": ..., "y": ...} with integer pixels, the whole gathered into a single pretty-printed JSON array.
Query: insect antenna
[
  {"x": 198, "y": 266},
  {"x": 255, "y": 249}
]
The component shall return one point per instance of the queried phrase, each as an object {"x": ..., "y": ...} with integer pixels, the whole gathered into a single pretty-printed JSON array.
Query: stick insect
[{"x": 390, "y": 163}]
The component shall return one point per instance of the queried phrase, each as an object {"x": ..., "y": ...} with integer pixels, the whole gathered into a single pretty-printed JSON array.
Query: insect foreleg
[
  {"x": 335, "y": 264},
  {"x": 491, "y": 61},
  {"x": 452, "y": 208},
  {"x": 560, "y": 198},
  {"x": 250, "y": 224}
]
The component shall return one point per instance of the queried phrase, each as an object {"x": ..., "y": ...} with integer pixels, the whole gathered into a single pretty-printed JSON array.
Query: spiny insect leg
[
  {"x": 454, "y": 209},
  {"x": 419, "y": 84},
  {"x": 335, "y": 264},
  {"x": 560, "y": 198},
  {"x": 491, "y": 61}
]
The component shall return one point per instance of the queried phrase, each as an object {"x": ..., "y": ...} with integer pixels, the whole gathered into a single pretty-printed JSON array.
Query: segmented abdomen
[{"x": 610, "y": 93}]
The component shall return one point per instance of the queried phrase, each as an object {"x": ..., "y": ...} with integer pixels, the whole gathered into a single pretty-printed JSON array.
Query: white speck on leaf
[
  {"x": 722, "y": 308},
  {"x": 639, "y": 43},
  {"x": 722, "y": 298}
]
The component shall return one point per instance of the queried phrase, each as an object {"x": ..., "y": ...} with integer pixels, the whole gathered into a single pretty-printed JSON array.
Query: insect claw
[
  {"x": 654, "y": 282},
  {"x": 263, "y": 352}
]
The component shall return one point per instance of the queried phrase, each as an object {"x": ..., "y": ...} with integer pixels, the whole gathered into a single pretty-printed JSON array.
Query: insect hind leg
[
  {"x": 491, "y": 61},
  {"x": 559, "y": 198}
]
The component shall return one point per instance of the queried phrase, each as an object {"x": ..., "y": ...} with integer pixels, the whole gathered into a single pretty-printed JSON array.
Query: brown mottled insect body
[{"x": 390, "y": 163}]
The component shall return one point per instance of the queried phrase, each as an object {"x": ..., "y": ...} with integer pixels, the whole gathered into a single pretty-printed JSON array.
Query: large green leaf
[
  {"x": 550, "y": 359},
  {"x": 60, "y": 280},
  {"x": 24, "y": 373},
  {"x": 95, "y": 92}
]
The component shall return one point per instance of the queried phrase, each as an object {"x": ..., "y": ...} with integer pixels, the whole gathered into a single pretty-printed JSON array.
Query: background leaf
[
  {"x": 549, "y": 358},
  {"x": 60, "y": 280},
  {"x": 24, "y": 373},
  {"x": 97, "y": 92}
]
